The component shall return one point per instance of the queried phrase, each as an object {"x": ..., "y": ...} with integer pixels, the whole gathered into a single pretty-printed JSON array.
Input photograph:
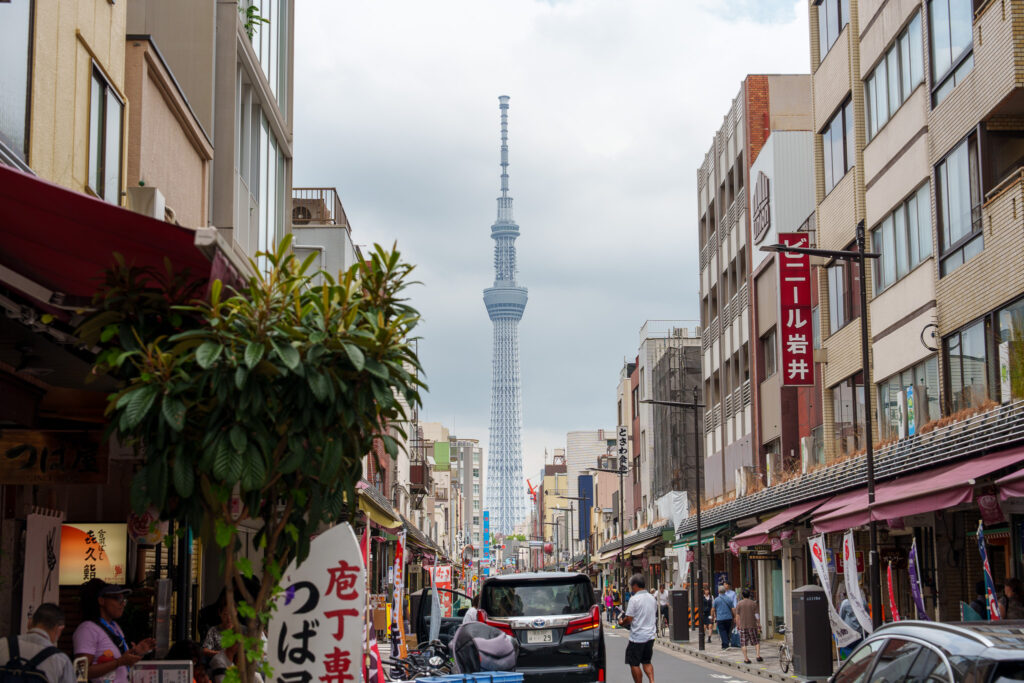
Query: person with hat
[{"x": 99, "y": 638}]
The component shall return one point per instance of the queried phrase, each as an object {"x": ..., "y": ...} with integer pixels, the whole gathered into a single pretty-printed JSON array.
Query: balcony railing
[{"x": 317, "y": 206}]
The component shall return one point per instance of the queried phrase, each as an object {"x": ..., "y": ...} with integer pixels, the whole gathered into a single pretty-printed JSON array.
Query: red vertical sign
[{"x": 796, "y": 336}]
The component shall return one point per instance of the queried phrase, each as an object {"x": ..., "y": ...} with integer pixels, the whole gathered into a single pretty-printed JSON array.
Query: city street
[{"x": 668, "y": 666}]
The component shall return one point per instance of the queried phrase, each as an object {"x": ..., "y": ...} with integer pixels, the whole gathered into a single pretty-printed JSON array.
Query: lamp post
[
  {"x": 860, "y": 256},
  {"x": 622, "y": 471},
  {"x": 696, "y": 406},
  {"x": 571, "y": 549},
  {"x": 572, "y": 509}
]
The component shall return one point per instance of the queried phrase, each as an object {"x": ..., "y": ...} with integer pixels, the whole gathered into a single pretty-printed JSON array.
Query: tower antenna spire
[{"x": 504, "y": 145}]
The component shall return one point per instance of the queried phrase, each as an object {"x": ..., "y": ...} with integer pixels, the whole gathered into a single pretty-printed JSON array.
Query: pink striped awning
[{"x": 759, "y": 534}]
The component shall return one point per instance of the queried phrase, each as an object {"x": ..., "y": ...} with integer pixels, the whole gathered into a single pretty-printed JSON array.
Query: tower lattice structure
[{"x": 505, "y": 301}]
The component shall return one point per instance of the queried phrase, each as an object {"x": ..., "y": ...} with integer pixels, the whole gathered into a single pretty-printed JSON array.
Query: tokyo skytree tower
[{"x": 505, "y": 301}]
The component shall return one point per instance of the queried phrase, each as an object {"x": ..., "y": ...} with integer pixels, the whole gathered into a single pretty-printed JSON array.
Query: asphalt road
[{"x": 669, "y": 666}]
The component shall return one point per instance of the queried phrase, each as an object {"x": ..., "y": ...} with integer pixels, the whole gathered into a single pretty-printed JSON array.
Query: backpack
[{"x": 19, "y": 670}]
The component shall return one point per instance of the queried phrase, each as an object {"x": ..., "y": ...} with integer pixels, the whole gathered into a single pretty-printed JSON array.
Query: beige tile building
[{"x": 918, "y": 107}]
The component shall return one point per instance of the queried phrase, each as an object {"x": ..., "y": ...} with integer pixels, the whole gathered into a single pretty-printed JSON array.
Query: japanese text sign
[
  {"x": 315, "y": 633},
  {"x": 796, "y": 338},
  {"x": 51, "y": 457},
  {"x": 442, "y": 576},
  {"x": 93, "y": 551}
]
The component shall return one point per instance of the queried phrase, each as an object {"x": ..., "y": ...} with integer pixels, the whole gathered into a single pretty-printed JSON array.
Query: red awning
[
  {"x": 61, "y": 240},
  {"x": 918, "y": 493},
  {"x": 759, "y": 534},
  {"x": 1011, "y": 486}
]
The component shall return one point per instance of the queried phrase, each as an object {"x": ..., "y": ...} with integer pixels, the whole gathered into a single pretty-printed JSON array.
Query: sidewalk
[{"x": 732, "y": 658}]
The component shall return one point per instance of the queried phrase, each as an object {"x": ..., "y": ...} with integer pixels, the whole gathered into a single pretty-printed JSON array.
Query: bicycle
[
  {"x": 785, "y": 656},
  {"x": 663, "y": 628}
]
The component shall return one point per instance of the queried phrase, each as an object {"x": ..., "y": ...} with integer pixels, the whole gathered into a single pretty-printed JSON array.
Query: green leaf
[
  {"x": 319, "y": 383},
  {"x": 254, "y": 472},
  {"x": 238, "y": 438},
  {"x": 289, "y": 355},
  {"x": 224, "y": 532},
  {"x": 355, "y": 354},
  {"x": 227, "y": 465},
  {"x": 244, "y": 565},
  {"x": 108, "y": 333},
  {"x": 241, "y": 374},
  {"x": 174, "y": 412},
  {"x": 138, "y": 404},
  {"x": 254, "y": 354},
  {"x": 184, "y": 477},
  {"x": 208, "y": 353},
  {"x": 376, "y": 369}
]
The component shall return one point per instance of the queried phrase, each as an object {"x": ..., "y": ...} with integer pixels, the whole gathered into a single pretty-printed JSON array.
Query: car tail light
[
  {"x": 600, "y": 676},
  {"x": 481, "y": 616},
  {"x": 593, "y": 620}
]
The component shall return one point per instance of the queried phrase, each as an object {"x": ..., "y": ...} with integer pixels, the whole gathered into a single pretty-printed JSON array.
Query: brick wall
[{"x": 756, "y": 91}]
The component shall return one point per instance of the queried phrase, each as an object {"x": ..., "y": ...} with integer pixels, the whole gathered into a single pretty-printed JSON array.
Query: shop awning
[
  {"x": 1011, "y": 486},
  {"x": 918, "y": 493},
  {"x": 376, "y": 506},
  {"x": 706, "y": 536},
  {"x": 57, "y": 242},
  {"x": 759, "y": 534},
  {"x": 639, "y": 548}
]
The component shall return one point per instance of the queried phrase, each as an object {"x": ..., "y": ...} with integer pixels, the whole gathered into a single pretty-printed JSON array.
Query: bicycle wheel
[{"x": 784, "y": 658}]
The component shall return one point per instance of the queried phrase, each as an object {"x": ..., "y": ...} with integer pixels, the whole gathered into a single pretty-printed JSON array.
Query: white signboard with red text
[
  {"x": 317, "y": 627},
  {"x": 796, "y": 336},
  {"x": 442, "y": 575}
]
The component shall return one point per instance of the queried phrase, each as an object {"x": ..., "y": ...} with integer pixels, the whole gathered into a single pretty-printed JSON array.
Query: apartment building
[
  {"x": 765, "y": 103},
  {"x": 582, "y": 449},
  {"x": 467, "y": 468}
]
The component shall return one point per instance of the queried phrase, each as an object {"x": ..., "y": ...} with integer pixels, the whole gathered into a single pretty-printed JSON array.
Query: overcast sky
[{"x": 613, "y": 106}]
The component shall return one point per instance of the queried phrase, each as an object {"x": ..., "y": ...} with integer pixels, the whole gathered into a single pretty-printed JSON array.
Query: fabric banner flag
[
  {"x": 892, "y": 596},
  {"x": 915, "y": 582},
  {"x": 684, "y": 565},
  {"x": 314, "y": 631},
  {"x": 42, "y": 552},
  {"x": 397, "y": 611},
  {"x": 843, "y": 634},
  {"x": 990, "y": 585},
  {"x": 852, "y": 578}
]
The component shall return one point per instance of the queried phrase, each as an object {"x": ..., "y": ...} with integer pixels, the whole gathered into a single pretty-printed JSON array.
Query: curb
[{"x": 750, "y": 669}]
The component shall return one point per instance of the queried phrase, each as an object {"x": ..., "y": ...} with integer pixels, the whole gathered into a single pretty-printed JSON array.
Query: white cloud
[{"x": 614, "y": 105}]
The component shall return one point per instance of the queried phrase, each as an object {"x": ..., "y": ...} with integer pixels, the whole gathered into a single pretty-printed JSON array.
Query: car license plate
[{"x": 543, "y": 636}]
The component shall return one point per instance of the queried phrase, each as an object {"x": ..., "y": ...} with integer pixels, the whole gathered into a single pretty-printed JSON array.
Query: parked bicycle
[
  {"x": 428, "y": 659},
  {"x": 785, "y": 656}
]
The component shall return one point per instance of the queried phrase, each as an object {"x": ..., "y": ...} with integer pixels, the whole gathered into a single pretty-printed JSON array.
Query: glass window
[
  {"x": 838, "y": 141},
  {"x": 950, "y": 25},
  {"x": 106, "y": 113},
  {"x": 903, "y": 238},
  {"x": 848, "y": 414},
  {"x": 833, "y": 15},
  {"x": 898, "y": 73},
  {"x": 967, "y": 367},
  {"x": 816, "y": 326},
  {"x": 959, "y": 205},
  {"x": 15, "y": 76},
  {"x": 836, "y": 296},
  {"x": 1010, "y": 329},
  {"x": 928, "y": 667},
  {"x": 894, "y": 661},
  {"x": 858, "y": 664},
  {"x": 768, "y": 345},
  {"x": 908, "y": 399}
]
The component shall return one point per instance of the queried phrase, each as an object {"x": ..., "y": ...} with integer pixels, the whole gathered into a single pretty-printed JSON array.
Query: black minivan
[{"x": 555, "y": 618}]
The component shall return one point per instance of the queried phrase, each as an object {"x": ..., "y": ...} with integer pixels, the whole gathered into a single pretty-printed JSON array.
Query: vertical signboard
[
  {"x": 42, "y": 545},
  {"x": 487, "y": 543},
  {"x": 316, "y": 630},
  {"x": 796, "y": 337},
  {"x": 622, "y": 445}
]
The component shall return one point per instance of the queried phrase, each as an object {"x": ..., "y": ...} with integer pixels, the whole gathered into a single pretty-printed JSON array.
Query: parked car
[
  {"x": 555, "y": 618},
  {"x": 930, "y": 652}
]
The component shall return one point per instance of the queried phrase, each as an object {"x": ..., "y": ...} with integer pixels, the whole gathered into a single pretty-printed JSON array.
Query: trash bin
[
  {"x": 810, "y": 633},
  {"x": 679, "y": 615}
]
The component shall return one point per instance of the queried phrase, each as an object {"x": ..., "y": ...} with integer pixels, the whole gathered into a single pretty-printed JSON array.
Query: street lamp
[
  {"x": 622, "y": 471},
  {"x": 861, "y": 255},
  {"x": 572, "y": 511},
  {"x": 696, "y": 406},
  {"x": 572, "y": 550}
]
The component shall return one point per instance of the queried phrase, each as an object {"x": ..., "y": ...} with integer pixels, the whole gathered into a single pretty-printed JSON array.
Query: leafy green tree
[{"x": 257, "y": 405}]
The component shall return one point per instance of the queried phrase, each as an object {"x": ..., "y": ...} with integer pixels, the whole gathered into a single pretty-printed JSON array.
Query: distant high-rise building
[{"x": 505, "y": 301}]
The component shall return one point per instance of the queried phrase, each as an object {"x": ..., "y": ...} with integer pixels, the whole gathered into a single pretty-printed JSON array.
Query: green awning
[{"x": 706, "y": 535}]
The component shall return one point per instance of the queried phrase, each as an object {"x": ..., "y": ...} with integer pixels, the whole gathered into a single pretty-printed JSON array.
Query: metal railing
[{"x": 317, "y": 206}]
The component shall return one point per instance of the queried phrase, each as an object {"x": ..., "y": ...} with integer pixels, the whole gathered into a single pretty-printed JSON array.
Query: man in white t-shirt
[
  {"x": 641, "y": 618},
  {"x": 662, "y": 596}
]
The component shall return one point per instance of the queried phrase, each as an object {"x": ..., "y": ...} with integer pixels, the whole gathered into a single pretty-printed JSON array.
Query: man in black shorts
[{"x": 641, "y": 620}]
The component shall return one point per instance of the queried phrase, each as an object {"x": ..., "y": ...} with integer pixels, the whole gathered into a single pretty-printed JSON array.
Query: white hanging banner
[
  {"x": 843, "y": 634},
  {"x": 42, "y": 553},
  {"x": 316, "y": 627},
  {"x": 684, "y": 565},
  {"x": 853, "y": 592}
]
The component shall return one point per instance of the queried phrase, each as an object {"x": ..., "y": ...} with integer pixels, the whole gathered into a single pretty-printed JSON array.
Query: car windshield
[
  {"x": 1008, "y": 671},
  {"x": 537, "y": 598}
]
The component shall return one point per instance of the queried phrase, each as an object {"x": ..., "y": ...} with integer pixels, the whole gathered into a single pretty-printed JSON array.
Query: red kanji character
[
  {"x": 336, "y": 666},
  {"x": 343, "y": 580},
  {"x": 340, "y": 615}
]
